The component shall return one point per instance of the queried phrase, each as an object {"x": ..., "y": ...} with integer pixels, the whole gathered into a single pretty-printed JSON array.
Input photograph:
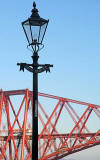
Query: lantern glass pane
[
  {"x": 42, "y": 32},
  {"x": 27, "y": 30},
  {"x": 35, "y": 32}
]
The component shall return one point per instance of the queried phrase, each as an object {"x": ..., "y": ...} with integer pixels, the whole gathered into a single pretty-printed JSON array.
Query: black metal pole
[
  {"x": 35, "y": 68},
  {"x": 35, "y": 109}
]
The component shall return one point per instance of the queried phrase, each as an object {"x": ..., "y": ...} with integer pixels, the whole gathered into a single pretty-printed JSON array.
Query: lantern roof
[
  {"x": 35, "y": 16},
  {"x": 35, "y": 11}
]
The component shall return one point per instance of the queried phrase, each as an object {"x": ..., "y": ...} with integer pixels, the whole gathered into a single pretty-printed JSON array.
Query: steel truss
[{"x": 63, "y": 129}]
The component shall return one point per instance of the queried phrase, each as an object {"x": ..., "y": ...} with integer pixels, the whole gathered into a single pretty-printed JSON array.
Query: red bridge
[{"x": 66, "y": 126}]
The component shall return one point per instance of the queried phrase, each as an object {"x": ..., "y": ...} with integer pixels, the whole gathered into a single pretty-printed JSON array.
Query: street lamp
[{"x": 34, "y": 29}]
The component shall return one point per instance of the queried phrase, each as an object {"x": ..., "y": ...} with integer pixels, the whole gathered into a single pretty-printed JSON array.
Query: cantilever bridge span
[{"x": 66, "y": 126}]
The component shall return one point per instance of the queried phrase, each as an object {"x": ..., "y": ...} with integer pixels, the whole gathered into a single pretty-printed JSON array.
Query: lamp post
[{"x": 34, "y": 28}]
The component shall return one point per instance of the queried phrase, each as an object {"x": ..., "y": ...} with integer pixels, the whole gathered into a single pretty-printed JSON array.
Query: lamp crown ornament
[
  {"x": 34, "y": 4},
  {"x": 34, "y": 11}
]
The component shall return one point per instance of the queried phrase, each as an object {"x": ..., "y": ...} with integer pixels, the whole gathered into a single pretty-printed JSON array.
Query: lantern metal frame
[{"x": 36, "y": 21}]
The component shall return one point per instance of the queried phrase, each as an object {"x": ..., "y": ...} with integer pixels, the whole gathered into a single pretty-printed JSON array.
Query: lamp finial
[{"x": 34, "y": 4}]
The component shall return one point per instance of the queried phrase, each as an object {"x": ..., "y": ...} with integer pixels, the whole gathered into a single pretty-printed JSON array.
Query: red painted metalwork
[{"x": 65, "y": 126}]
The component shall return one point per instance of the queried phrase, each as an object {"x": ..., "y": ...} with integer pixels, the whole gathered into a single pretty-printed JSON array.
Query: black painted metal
[
  {"x": 35, "y": 68},
  {"x": 35, "y": 110}
]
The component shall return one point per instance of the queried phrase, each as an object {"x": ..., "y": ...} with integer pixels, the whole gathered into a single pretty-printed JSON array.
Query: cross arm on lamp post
[{"x": 31, "y": 67}]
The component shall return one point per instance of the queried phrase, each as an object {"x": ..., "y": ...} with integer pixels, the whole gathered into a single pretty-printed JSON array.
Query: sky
[{"x": 71, "y": 44}]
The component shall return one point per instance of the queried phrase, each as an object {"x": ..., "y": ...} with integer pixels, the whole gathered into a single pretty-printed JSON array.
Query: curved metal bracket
[{"x": 34, "y": 48}]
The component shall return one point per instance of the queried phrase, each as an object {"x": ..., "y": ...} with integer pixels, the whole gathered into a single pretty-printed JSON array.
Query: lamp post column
[
  {"x": 35, "y": 108},
  {"x": 35, "y": 28}
]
